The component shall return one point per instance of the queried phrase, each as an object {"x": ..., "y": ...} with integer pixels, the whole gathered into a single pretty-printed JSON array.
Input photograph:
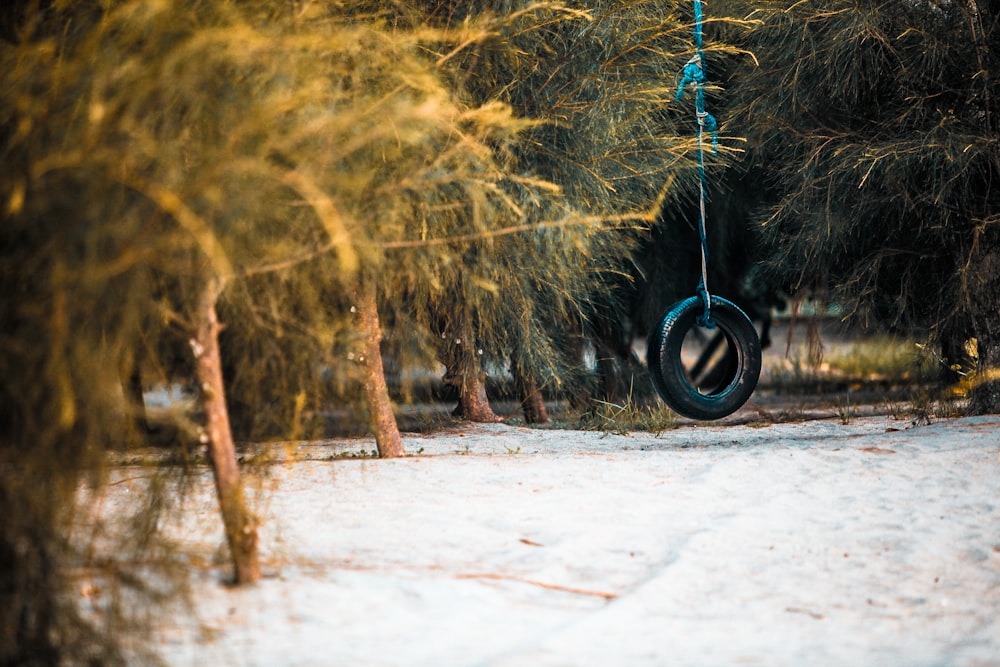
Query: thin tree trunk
[
  {"x": 387, "y": 437},
  {"x": 240, "y": 525},
  {"x": 532, "y": 403},
  {"x": 610, "y": 375},
  {"x": 138, "y": 427}
]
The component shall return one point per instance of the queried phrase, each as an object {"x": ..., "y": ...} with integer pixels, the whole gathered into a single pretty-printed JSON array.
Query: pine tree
[
  {"x": 163, "y": 163},
  {"x": 76, "y": 281},
  {"x": 598, "y": 81},
  {"x": 873, "y": 129}
]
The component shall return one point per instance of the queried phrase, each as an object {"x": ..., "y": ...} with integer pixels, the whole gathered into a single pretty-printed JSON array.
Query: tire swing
[
  {"x": 719, "y": 393},
  {"x": 731, "y": 381}
]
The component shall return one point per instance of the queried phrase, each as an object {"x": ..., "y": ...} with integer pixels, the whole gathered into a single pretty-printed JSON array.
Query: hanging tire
[{"x": 726, "y": 384}]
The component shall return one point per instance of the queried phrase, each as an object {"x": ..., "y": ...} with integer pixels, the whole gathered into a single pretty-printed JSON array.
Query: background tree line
[
  {"x": 273, "y": 198},
  {"x": 872, "y": 143}
]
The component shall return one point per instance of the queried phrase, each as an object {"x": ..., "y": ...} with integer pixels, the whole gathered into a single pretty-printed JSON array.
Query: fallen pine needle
[
  {"x": 807, "y": 612},
  {"x": 542, "y": 584}
]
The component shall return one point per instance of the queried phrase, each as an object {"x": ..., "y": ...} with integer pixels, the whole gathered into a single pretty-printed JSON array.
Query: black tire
[{"x": 740, "y": 369}]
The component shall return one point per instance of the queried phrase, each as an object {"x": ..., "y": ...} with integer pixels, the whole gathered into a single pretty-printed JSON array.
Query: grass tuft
[{"x": 622, "y": 419}]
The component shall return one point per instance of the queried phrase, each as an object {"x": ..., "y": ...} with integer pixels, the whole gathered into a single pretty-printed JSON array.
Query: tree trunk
[
  {"x": 611, "y": 376},
  {"x": 464, "y": 372},
  {"x": 958, "y": 361},
  {"x": 532, "y": 403},
  {"x": 984, "y": 292},
  {"x": 985, "y": 396},
  {"x": 387, "y": 437},
  {"x": 473, "y": 404},
  {"x": 33, "y": 582},
  {"x": 240, "y": 525},
  {"x": 138, "y": 427}
]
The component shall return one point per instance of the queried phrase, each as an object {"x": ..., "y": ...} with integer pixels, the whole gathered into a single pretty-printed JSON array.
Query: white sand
[{"x": 817, "y": 543}]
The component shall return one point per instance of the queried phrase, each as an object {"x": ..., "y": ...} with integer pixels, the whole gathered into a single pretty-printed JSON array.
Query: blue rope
[
  {"x": 694, "y": 74},
  {"x": 697, "y": 24}
]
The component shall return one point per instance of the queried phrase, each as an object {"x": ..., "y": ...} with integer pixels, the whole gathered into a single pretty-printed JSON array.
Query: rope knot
[
  {"x": 693, "y": 73},
  {"x": 705, "y": 319},
  {"x": 709, "y": 124}
]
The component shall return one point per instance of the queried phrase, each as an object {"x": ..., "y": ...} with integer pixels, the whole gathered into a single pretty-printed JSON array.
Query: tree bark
[
  {"x": 464, "y": 372},
  {"x": 387, "y": 437},
  {"x": 240, "y": 525},
  {"x": 532, "y": 403},
  {"x": 473, "y": 404}
]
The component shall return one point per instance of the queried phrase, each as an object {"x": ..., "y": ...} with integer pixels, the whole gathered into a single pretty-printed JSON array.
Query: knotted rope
[{"x": 694, "y": 74}]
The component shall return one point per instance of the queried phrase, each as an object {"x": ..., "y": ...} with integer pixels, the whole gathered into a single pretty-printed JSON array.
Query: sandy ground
[{"x": 875, "y": 542}]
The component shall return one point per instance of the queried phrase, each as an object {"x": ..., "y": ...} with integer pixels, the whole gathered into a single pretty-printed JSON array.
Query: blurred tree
[
  {"x": 874, "y": 125},
  {"x": 264, "y": 187},
  {"x": 164, "y": 163},
  {"x": 599, "y": 81},
  {"x": 155, "y": 156},
  {"x": 416, "y": 175},
  {"x": 74, "y": 300}
]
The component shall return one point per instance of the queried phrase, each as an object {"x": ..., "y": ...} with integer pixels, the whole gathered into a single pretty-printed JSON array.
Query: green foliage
[
  {"x": 147, "y": 146},
  {"x": 489, "y": 169},
  {"x": 486, "y": 168},
  {"x": 598, "y": 82},
  {"x": 873, "y": 128}
]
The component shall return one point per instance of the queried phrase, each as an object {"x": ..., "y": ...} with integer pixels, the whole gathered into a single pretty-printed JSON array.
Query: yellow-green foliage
[
  {"x": 489, "y": 160},
  {"x": 147, "y": 145}
]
